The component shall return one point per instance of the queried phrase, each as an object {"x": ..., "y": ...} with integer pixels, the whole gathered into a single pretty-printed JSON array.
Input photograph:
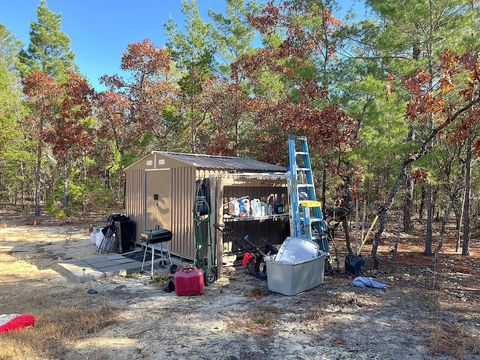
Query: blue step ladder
[{"x": 306, "y": 216}]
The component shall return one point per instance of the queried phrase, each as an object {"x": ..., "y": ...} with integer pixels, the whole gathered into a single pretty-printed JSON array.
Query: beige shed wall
[
  {"x": 159, "y": 211},
  {"x": 135, "y": 197}
]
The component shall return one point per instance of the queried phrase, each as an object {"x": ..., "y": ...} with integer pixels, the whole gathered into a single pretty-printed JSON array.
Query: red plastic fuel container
[{"x": 189, "y": 281}]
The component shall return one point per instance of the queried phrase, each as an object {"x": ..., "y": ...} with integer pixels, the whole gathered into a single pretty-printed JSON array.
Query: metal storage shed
[{"x": 160, "y": 190}]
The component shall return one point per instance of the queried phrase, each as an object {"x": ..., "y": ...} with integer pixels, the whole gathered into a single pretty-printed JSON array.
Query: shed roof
[{"x": 222, "y": 162}]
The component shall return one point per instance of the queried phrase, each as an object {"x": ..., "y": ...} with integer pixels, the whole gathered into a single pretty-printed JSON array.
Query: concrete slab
[
  {"x": 79, "y": 263},
  {"x": 80, "y": 273},
  {"x": 95, "y": 260},
  {"x": 121, "y": 269},
  {"x": 70, "y": 266},
  {"x": 88, "y": 275},
  {"x": 114, "y": 256},
  {"x": 124, "y": 261},
  {"x": 99, "y": 264},
  {"x": 100, "y": 267}
]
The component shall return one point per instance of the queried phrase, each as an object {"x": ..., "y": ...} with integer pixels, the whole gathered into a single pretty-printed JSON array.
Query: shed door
[{"x": 158, "y": 199}]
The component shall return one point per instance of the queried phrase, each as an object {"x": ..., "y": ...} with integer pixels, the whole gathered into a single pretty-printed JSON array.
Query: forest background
[{"x": 390, "y": 103}]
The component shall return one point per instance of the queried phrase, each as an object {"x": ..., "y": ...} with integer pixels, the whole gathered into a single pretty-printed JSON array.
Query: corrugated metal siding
[
  {"x": 135, "y": 197},
  {"x": 222, "y": 162},
  {"x": 183, "y": 192}
]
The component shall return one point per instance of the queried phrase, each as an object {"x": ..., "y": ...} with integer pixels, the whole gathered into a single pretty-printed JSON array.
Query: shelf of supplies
[{"x": 255, "y": 218}]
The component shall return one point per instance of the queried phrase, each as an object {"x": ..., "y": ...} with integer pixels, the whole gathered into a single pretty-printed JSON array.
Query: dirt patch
[
  {"x": 55, "y": 328},
  {"x": 451, "y": 339},
  {"x": 258, "y": 293},
  {"x": 258, "y": 321},
  {"x": 63, "y": 314}
]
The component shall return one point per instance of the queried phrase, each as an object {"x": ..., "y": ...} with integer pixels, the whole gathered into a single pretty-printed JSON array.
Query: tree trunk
[
  {"x": 466, "y": 206},
  {"x": 382, "y": 213},
  {"x": 435, "y": 208},
  {"x": 397, "y": 238},
  {"x": 84, "y": 170},
  {"x": 38, "y": 166},
  {"x": 451, "y": 201},
  {"x": 65, "y": 187},
  {"x": 356, "y": 225},
  {"x": 22, "y": 185},
  {"x": 364, "y": 218},
  {"x": 407, "y": 206},
  {"x": 460, "y": 221},
  {"x": 441, "y": 238},
  {"x": 348, "y": 242},
  {"x": 349, "y": 204},
  {"x": 324, "y": 187},
  {"x": 422, "y": 203},
  {"x": 237, "y": 138},
  {"x": 193, "y": 137},
  {"x": 430, "y": 213},
  {"x": 408, "y": 202},
  {"x": 429, "y": 232}
]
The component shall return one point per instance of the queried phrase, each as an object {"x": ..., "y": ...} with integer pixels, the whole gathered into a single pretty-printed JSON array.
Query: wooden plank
[
  {"x": 213, "y": 217},
  {"x": 219, "y": 220}
]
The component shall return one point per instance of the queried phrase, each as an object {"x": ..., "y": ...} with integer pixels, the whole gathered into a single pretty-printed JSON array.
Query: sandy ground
[{"x": 237, "y": 318}]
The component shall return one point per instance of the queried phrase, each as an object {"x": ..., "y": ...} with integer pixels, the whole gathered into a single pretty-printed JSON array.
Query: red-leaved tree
[
  {"x": 68, "y": 134},
  {"x": 42, "y": 93}
]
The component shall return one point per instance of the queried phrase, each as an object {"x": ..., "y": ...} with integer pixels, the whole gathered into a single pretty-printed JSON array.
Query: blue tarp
[{"x": 364, "y": 281}]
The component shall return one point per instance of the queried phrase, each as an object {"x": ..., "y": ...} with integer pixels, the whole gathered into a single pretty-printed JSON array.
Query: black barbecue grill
[
  {"x": 156, "y": 236},
  {"x": 150, "y": 239}
]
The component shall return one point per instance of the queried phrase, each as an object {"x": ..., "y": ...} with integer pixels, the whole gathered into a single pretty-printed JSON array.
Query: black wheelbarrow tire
[
  {"x": 173, "y": 268},
  {"x": 210, "y": 276},
  {"x": 252, "y": 266}
]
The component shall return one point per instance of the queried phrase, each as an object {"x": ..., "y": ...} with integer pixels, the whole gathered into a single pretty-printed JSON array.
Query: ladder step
[
  {"x": 312, "y": 219},
  {"x": 301, "y": 153},
  {"x": 305, "y": 185},
  {"x": 310, "y": 203},
  {"x": 303, "y": 169}
]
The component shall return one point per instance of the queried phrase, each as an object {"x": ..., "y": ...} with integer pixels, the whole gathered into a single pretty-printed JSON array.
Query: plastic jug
[
  {"x": 269, "y": 209},
  {"x": 256, "y": 207},
  {"x": 264, "y": 208},
  {"x": 244, "y": 207}
]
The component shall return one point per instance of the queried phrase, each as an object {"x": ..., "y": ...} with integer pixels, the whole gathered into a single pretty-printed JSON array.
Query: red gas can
[{"x": 189, "y": 281}]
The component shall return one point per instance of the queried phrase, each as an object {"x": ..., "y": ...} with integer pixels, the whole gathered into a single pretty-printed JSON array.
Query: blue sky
[{"x": 100, "y": 30}]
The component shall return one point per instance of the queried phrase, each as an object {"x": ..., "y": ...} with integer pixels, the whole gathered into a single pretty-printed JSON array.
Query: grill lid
[{"x": 156, "y": 236}]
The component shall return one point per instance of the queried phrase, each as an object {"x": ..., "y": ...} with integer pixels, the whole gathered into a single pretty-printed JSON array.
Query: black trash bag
[{"x": 353, "y": 264}]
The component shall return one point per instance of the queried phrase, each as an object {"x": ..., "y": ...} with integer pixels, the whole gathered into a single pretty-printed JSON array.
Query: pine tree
[
  {"x": 13, "y": 146},
  {"x": 194, "y": 53},
  {"x": 49, "y": 53},
  {"x": 232, "y": 33},
  {"x": 49, "y": 48}
]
